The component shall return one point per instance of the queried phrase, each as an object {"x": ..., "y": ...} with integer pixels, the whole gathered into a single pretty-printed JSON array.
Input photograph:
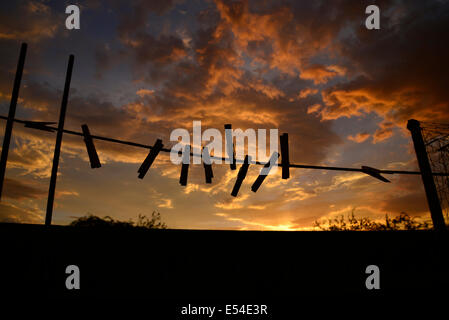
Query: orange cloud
[
  {"x": 289, "y": 42},
  {"x": 314, "y": 108},
  {"x": 359, "y": 137},
  {"x": 144, "y": 92},
  {"x": 37, "y": 22},
  {"x": 321, "y": 74},
  {"x": 307, "y": 92}
]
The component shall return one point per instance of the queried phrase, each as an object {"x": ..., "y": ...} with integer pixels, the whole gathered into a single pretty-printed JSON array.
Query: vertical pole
[
  {"x": 285, "y": 156},
  {"x": 11, "y": 114},
  {"x": 54, "y": 169},
  {"x": 426, "y": 175}
]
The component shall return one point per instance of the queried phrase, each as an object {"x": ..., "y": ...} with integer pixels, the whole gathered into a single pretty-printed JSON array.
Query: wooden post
[
  {"x": 426, "y": 175},
  {"x": 11, "y": 115},
  {"x": 57, "y": 152}
]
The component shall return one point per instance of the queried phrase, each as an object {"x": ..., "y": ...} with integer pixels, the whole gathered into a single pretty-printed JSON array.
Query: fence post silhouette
[
  {"x": 57, "y": 152},
  {"x": 11, "y": 115},
  {"x": 426, "y": 175}
]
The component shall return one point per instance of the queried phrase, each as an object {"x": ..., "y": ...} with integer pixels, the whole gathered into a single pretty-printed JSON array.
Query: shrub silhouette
[
  {"x": 352, "y": 223},
  {"x": 143, "y": 222}
]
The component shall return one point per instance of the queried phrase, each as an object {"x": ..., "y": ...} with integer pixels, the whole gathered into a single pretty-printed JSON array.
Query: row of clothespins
[{"x": 158, "y": 147}]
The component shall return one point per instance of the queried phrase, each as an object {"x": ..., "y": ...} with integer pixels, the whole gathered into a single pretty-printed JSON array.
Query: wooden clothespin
[
  {"x": 264, "y": 172},
  {"x": 146, "y": 164},
  {"x": 91, "y": 151},
  {"x": 207, "y": 165},
  {"x": 285, "y": 156},
  {"x": 241, "y": 176},
  {"x": 230, "y": 146},
  {"x": 185, "y": 166}
]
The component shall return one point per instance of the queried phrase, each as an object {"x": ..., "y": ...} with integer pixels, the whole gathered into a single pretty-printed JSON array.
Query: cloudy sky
[{"x": 143, "y": 68}]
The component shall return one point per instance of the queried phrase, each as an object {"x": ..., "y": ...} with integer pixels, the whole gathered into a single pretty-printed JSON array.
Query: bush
[
  {"x": 143, "y": 222},
  {"x": 400, "y": 222}
]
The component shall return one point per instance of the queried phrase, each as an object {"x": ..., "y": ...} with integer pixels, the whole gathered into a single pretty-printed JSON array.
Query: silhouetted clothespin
[
  {"x": 185, "y": 166},
  {"x": 41, "y": 125},
  {"x": 230, "y": 145},
  {"x": 241, "y": 176},
  {"x": 264, "y": 172},
  {"x": 91, "y": 151},
  {"x": 285, "y": 156},
  {"x": 146, "y": 164},
  {"x": 207, "y": 165},
  {"x": 373, "y": 172}
]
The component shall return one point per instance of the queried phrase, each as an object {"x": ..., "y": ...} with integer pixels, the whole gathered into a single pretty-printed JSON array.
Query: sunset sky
[{"x": 143, "y": 68}]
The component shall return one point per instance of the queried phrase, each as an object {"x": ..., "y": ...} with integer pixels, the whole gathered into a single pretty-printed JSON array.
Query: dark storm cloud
[
  {"x": 136, "y": 19},
  {"x": 211, "y": 84},
  {"x": 37, "y": 20},
  {"x": 403, "y": 65}
]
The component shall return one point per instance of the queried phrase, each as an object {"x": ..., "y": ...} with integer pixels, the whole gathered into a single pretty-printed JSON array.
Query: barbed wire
[{"x": 436, "y": 139}]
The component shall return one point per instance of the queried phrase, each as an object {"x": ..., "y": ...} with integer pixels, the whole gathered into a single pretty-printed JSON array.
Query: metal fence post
[{"x": 426, "y": 175}]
